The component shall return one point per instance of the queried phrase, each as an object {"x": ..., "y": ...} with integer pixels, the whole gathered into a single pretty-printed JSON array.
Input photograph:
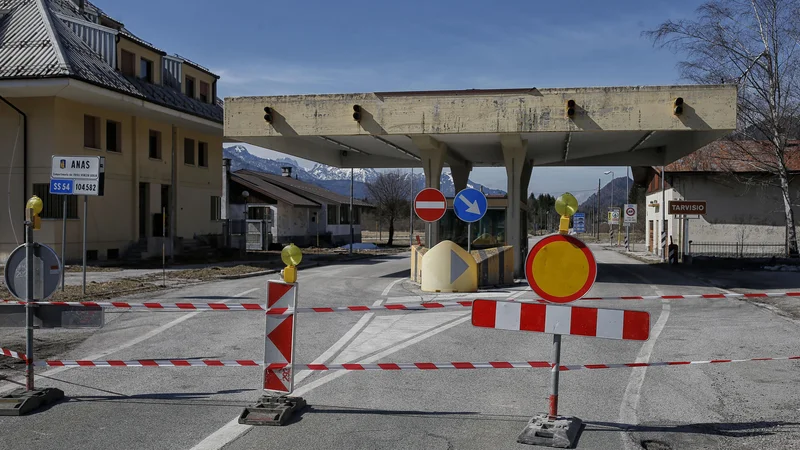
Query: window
[
  {"x": 204, "y": 92},
  {"x": 91, "y": 132},
  {"x": 332, "y": 215},
  {"x": 53, "y": 205},
  {"x": 345, "y": 215},
  {"x": 216, "y": 208},
  {"x": 146, "y": 70},
  {"x": 113, "y": 136},
  {"x": 189, "y": 86},
  {"x": 128, "y": 64},
  {"x": 202, "y": 154},
  {"x": 154, "y": 144},
  {"x": 188, "y": 151}
]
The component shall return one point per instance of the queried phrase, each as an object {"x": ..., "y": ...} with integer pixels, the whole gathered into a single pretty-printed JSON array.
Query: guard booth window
[
  {"x": 332, "y": 215},
  {"x": 53, "y": 205},
  {"x": 344, "y": 219}
]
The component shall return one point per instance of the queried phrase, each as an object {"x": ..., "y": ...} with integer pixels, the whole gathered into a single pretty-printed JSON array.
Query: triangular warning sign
[
  {"x": 276, "y": 291},
  {"x": 281, "y": 337}
]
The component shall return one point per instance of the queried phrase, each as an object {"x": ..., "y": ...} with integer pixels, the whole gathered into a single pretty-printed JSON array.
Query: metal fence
[{"x": 737, "y": 249}]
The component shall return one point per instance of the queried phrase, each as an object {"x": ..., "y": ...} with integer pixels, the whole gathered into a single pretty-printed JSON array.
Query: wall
[
  {"x": 735, "y": 212},
  {"x": 292, "y": 224},
  {"x": 40, "y": 112},
  {"x": 197, "y": 184}
]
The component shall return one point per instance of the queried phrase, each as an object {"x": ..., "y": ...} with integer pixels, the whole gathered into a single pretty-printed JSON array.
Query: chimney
[
  {"x": 226, "y": 178},
  {"x": 287, "y": 171}
]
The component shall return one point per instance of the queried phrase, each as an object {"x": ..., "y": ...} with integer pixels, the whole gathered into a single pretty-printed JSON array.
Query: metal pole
[
  {"x": 411, "y": 212},
  {"x": 63, "y": 242},
  {"x": 469, "y": 237},
  {"x": 598, "y": 210},
  {"x": 627, "y": 199},
  {"x": 352, "y": 234},
  {"x": 663, "y": 218},
  {"x": 28, "y": 305},
  {"x": 554, "y": 372},
  {"x": 85, "y": 218},
  {"x": 163, "y": 249}
]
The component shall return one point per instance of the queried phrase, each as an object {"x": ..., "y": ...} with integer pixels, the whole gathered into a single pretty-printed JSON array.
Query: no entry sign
[{"x": 430, "y": 205}]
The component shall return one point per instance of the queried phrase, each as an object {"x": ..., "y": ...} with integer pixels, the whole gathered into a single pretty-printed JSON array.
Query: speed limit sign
[{"x": 630, "y": 213}]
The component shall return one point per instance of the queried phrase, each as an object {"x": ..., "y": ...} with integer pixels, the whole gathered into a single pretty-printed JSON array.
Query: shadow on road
[
  {"x": 736, "y": 429},
  {"x": 698, "y": 276}
]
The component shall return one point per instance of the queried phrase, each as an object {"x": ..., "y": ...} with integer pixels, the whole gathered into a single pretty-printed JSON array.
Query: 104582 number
[{"x": 85, "y": 187}]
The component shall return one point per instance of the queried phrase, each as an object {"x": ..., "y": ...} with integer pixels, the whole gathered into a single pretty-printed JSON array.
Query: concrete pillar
[
  {"x": 515, "y": 155},
  {"x": 432, "y": 153},
  {"x": 460, "y": 174}
]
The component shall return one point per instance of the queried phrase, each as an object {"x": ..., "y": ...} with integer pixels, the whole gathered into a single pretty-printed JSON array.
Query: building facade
[
  {"x": 745, "y": 211},
  {"x": 75, "y": 82}
]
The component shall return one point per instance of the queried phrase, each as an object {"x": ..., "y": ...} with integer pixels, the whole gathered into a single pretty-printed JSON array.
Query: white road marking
[
  {"x": 389, "y": 287},
  {"x": 233, "y": 429},
  {"x": 132, "y": 342}
]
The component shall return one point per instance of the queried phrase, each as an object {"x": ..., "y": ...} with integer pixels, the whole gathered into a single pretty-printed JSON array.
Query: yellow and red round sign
[{"x": 560, "y": 268}]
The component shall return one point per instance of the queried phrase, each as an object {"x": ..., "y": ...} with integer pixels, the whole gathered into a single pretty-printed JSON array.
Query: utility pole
[
  {"x": 411, "y": 213},
  {"x": 663, "y": 217},
  {"x": 352, "y": 233},
  {"x": 597, "y": 218}
]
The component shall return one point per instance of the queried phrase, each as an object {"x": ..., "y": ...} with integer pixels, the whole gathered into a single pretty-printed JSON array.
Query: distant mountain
[
  {"x": 334, "y": 179},
  {"x": 620, "y": 196},
  {"x": 323, "y": 172}
]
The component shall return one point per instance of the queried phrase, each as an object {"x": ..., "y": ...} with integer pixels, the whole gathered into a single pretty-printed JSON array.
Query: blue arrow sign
[
  {"x": 62, "y": 187},
  {"x": 470, "y": 205}
]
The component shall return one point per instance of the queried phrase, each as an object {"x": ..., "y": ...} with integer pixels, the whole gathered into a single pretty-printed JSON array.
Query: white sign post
[
  {"x": 76, "y": 175},
  {"x": 631, "y": 213}
]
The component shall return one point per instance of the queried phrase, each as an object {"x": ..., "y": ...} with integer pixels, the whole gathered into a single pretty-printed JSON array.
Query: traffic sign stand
[
  {"x": 22, "y": 401},
  {"x": 560, "y": 269},
  {"x": 277, "y": 406}
]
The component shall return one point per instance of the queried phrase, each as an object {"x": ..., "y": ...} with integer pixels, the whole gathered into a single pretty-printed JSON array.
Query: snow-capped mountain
[
  {"x": 242, "y": 159},
  {"x": 323, "y": 172},
  {"x": 335, "y": 179}
]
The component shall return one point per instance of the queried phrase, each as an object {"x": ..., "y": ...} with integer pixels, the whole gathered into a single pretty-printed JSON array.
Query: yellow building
[{"x": 75, "y": 82}]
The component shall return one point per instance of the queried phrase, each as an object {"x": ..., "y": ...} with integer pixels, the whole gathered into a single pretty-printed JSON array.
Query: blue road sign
[
  {"x": 62, "y": 187},
  {"x": 579, "y": 222},
  {"x": 470, "y": 205}
]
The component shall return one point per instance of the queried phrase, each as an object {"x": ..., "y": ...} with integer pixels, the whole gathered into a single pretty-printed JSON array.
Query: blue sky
[{"x": 297, "y": 47}]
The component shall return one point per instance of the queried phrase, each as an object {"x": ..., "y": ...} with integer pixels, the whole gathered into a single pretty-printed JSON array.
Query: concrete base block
[
  {"x": 20, "y": 402},
  {"x": 561, "y": 432},
  {"x": 272, "y": 410}
]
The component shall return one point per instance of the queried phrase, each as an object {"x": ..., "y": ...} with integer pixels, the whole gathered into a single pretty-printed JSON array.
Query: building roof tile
[
  {"x": 35, "y": 43},
  {"x": 253, "y": 181},
  {"x": 738, "y": 156},
  {"x": 302, "y": 188}
]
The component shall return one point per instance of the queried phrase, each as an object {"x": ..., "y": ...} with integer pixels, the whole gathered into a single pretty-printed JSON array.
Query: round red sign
[{"x": 430, "y": 205}]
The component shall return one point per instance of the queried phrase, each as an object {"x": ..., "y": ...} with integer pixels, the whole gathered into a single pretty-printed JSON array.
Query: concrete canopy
[{"x": 626, "y": 126}]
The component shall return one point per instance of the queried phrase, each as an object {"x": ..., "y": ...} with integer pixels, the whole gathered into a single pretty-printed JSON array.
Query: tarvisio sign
[{"x": 687, "y": 207}]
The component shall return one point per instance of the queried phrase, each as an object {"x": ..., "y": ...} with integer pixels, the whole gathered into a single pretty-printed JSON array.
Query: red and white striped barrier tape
[
  {"x": 376, "y": 366},
  {"x": 13, "y": 354},
  {"x": 359, "y": 308}
]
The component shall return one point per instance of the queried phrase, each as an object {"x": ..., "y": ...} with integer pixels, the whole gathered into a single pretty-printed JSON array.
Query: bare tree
[
  {"x": 390, "y": 193},
  {"x": 754, "y": 44}
]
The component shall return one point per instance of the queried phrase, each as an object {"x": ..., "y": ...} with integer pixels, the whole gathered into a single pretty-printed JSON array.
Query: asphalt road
[{"x": 732, "y": 406}]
